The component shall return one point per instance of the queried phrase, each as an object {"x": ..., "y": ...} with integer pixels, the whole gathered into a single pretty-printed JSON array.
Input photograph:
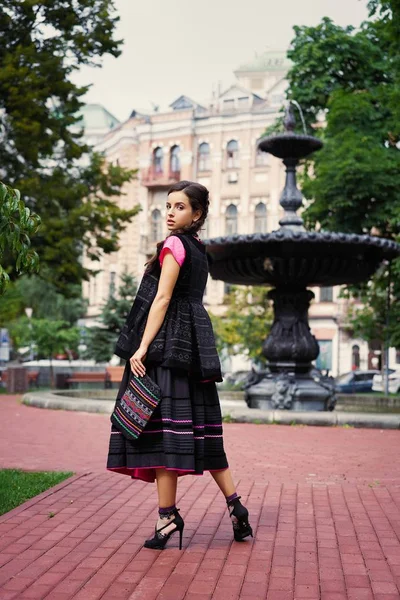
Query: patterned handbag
[{"x": 133, "y": 410}]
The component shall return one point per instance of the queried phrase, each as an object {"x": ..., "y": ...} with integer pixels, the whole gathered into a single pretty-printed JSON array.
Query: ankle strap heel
[
  {"x": 159, "y": 540},
  {"x": 240, "y": 520}
]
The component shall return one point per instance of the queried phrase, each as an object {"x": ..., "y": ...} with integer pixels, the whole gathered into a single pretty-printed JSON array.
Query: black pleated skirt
[{"x": 184, "y": 434}]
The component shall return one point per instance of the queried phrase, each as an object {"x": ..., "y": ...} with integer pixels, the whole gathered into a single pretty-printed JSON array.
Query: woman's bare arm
[{"x": 169, "y": 275}]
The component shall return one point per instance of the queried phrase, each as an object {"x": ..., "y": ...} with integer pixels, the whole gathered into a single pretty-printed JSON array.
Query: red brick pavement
[{"x": 324, "y": 504}]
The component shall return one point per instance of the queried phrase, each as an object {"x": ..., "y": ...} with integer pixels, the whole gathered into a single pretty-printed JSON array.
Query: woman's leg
[
  {"x": 166, "y": 487},
  {"x": 224, "y": 481},
  {"x": 238, "y": 513}
]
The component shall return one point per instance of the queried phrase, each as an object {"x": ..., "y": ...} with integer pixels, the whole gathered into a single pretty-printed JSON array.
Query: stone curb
[
  {"x": 333, "y": 419},
  {"x": 232, "y": 410}
]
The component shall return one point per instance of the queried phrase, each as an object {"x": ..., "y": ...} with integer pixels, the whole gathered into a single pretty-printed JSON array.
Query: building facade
[{"x": 214, "y": 143}]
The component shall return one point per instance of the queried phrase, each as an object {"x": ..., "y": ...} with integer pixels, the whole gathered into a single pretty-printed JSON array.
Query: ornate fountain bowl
[
  {"x": 297, "y": 259},
  {"x": 289, "y": 144}
]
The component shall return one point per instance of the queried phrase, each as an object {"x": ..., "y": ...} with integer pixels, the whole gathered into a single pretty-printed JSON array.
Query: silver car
[{"x": 378, "y": 383}]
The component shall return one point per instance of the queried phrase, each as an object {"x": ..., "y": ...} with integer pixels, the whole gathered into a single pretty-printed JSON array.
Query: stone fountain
[{"x": 290, "y": 260}]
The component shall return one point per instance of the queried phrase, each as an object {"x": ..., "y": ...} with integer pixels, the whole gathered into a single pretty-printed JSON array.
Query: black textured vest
[{"x": 185, "y": 339}]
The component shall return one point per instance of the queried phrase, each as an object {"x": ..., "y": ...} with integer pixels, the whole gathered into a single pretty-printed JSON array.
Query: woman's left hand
[{"x": 136, "y": 361}]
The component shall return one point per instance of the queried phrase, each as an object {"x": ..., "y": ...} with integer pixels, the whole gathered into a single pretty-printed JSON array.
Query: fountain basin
[
  {"x": 288, "y": 144},
  {"x": 297, "y": 258}
]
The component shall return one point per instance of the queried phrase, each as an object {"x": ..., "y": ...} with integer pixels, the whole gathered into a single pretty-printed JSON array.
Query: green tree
[
  {"x": 48, "y": 337},
  {"x": 352, "y": 77},
  {"x": 369, "y": 318},
  {"x": 44, "y": 299},
  {"x": 246, "y": 322},
  {"x": 41, "y": 148},
  {"x": 17, "y": 226},
  {"x": 101, "y": 340}
]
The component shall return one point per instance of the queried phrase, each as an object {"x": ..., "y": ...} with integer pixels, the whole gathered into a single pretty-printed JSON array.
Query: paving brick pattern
[{"x": 324, "y": 505}]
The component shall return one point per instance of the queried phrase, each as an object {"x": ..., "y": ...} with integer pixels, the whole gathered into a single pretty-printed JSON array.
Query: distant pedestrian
[{"x": 175, "y": 347}]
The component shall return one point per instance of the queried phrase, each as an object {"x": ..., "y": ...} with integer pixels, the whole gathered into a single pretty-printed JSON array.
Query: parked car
[
  {"x": 355, "y": 382},
  {"x": 237, "y": 378},
  {"x": 378, "y": 383}
]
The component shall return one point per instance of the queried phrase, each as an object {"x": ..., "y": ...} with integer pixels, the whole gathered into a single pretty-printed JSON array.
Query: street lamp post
[
  {"x": 387, "y": 335},
  {"x": 28, "y": 312}
]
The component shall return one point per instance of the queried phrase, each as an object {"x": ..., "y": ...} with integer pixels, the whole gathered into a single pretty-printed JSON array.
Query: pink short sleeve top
[{"x": 174, "y": 244}]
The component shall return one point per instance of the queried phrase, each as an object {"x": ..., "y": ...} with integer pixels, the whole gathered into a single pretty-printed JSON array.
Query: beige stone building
[{"x": 214, "y": 143}]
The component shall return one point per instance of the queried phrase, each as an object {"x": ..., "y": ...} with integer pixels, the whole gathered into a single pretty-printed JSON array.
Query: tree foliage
[
  {"x": 17, "y": 226},
  {"x": 41, "y": 149},
  {"x": 45, "y": 300},
  {"x": 352, "y": 77},
  {"x": 244, "y": 326},
  {"x": 101, "y": 340},
  {"x": 47, "y": 337}
]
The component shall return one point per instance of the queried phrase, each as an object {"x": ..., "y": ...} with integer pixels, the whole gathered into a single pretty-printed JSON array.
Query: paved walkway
[{"x": 324, "y": 504}]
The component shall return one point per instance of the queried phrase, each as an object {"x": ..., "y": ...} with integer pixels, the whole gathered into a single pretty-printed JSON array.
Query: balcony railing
[{"x": 155, "y": 178}]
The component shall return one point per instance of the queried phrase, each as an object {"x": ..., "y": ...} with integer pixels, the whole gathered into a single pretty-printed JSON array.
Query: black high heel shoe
[
  {"x": 159, "y": 541},
  {"x": 240, "y": 520}
]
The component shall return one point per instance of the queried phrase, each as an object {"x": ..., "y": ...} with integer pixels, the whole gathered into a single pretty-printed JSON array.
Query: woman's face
[{"x": 179, "y": 212}]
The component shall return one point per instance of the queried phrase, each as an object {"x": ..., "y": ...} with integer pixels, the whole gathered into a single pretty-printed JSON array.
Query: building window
[
  {"x": 397, "y": 356},
  {"x": 158, "y": 160},
  {"x": 355, "y": 357},
  {"x": 112, "y": 283},
  {"x": 243, "y": 102},
  {"x": 231, "y": 220},
  {"x": 324, "y": 359},
  {"x": 175, "y": 165},
  {"x": 156, "y": 226},
  {"x": 326, "y": 294},
  {"x": 261, "y": 158},
  {"x": 229, "y": 104},
  {"x": 232, "y": 155},
  {"x": 204, "y": 157},
  {"x": 94, "y": 290},
  {"x": 260, "y": 218}
]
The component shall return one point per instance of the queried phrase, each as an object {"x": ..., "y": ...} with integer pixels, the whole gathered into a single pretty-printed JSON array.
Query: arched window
[
  {"x": 261, "y": 158},
  {"x": 260, "y": 218},
  {"x": 111, "y": 289},
  {"x": 326, "y": 294},
  {"x": 158, "y": 160},
  {"x": 156, "y": 225},
  {"x": 232, "y": 154},
  {"x": 175, "y": 163},
  {"x": 231, "y": 219},
  {"x": 204, "y": 157},
  {"x": 355, "y": 357}
]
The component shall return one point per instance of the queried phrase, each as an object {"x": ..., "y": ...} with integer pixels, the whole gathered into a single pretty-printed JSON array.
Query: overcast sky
[{"x": 174, "y": 47}]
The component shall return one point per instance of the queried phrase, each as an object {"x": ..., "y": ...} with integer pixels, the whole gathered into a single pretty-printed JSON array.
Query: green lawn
[
  {"x": 17, "y": 486},
  {"x": 4, "y": 392}
]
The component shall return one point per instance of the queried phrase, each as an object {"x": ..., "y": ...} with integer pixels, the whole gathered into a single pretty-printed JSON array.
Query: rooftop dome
[
  {"x": 275, "y": 60},
  {"x": 95, "y": 116}
]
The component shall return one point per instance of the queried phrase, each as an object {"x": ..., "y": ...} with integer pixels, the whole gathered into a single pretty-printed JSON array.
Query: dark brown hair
[{"x": 198, "y": 197}]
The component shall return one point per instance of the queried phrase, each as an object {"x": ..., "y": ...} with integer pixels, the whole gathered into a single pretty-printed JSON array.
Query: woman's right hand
[{"x": 136, "y": 362}]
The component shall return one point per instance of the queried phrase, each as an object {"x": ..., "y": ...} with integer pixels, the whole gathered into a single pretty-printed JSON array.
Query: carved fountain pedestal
[
  {"x": 290, "y": 260},
  {"x": 290, "y": 348}
]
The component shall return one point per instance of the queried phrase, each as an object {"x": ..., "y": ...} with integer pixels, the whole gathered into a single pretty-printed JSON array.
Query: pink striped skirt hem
[{"x": 148, "y": 474}]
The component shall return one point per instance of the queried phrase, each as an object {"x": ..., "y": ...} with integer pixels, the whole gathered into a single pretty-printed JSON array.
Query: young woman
[{"x": 175, "y": 346}]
